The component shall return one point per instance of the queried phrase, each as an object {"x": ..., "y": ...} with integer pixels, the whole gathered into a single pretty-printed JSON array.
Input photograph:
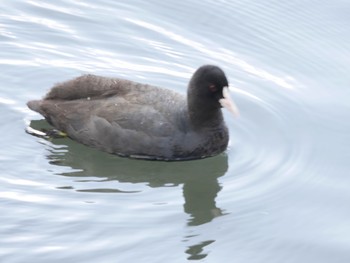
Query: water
[{"x": 280, "y": 193}]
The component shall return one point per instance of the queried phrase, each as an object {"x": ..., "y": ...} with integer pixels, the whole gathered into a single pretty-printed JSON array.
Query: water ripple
[
  {"x": 269, "y": 152},
  {"x": 221, "y": 54},
  {"x": 281, "y": 185}
]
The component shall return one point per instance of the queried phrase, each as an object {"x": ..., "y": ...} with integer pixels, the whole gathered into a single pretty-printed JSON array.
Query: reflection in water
[
  {"x": 200, "y": 200},
  {"x": 199, "y": 178},
  {"x": 196, "y": 250}
]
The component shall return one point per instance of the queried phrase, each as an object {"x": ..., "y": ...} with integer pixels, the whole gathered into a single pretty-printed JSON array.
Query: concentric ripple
[{"x": 270, "y": 145}]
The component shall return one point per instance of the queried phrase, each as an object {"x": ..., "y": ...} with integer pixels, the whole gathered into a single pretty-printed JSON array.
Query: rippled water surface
[{"x": 281, "y": 191}]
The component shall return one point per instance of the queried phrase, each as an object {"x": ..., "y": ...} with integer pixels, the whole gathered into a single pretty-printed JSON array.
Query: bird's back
[{"x": 117, "y": 116}]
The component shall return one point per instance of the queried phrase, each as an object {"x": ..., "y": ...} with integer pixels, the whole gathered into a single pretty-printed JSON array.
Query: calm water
[{"x": 280, "y": 193}]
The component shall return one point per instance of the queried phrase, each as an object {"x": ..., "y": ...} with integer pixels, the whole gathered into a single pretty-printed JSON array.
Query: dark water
[{"x": 280, "y": 193}]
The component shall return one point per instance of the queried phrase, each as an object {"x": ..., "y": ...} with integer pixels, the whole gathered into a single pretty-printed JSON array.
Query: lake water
[{"x": 281, "y": 191}]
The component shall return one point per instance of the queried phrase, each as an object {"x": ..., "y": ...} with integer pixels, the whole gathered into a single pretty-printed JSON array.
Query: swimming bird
[{"x": 137, "y": 120}]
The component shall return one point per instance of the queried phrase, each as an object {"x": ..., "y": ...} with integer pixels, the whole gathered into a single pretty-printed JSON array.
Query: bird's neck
[{"x": 204, "y": 116}]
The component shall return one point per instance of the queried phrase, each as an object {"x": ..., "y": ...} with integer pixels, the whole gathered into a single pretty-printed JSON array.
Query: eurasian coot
[{"x": 139, "y": 120}]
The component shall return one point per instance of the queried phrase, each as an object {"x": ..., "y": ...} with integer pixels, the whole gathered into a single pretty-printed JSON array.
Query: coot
[{"x": 142, "y": 121}]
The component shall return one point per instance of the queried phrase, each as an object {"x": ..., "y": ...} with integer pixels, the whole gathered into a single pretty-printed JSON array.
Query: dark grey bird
[{"x": 142, "y": 121}]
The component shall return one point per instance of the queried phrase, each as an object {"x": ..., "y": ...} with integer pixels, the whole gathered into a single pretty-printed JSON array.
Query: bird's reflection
[
  {"x": 199, "y": 178},
  {"x": 196, "y": 251}
]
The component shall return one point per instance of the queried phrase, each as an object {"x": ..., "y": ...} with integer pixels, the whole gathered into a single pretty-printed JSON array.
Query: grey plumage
[{"x": 138, "y": 120}]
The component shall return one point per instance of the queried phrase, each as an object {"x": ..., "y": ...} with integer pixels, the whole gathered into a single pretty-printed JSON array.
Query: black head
[
  {"x": 204, "y": 92},
  {"x": 207, "y": 84}
]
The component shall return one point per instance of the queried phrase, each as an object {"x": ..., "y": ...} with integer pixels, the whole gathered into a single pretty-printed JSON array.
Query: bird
[{"x": 142, "y": 121}]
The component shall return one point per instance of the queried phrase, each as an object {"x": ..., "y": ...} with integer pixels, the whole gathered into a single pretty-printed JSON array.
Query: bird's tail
[{"x": 34, "y": 105}]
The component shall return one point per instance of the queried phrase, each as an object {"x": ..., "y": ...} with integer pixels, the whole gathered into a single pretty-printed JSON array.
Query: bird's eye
[{"x": 213, "y": 88}]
